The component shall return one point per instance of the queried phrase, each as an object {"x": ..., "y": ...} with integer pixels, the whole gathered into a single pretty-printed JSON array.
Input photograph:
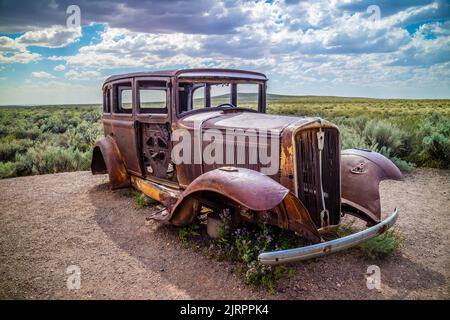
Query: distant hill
[
  {"x": 271, "y": 97},
  {"x": 307, "y": 98},
  {"x": 253, "y": 96}
]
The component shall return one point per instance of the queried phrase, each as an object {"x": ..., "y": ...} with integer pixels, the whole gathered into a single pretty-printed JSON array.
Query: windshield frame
[{"x": 233, "y": 93}]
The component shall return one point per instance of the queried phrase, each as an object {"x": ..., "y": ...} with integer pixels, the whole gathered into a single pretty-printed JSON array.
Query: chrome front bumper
[{"x": 324, "y": 248}]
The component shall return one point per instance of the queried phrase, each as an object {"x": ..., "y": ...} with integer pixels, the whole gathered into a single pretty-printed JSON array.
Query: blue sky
[{"x": 323, "y": 47}]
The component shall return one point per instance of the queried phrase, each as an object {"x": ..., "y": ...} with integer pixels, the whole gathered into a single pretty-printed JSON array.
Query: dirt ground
[{"x": 50, "y": 222}]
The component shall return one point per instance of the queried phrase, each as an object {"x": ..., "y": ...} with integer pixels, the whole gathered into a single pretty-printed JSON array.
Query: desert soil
[{"x": 50, "y": 222}]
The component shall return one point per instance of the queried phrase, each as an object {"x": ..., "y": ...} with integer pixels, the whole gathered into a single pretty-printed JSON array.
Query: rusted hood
[{"x": 238, "y": 119}]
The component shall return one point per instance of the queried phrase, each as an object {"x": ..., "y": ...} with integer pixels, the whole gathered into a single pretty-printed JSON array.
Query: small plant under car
[
  {"x": 141, "y": 200},
  {"x": 383, "y": 245},
  {"x": 241, "y": 246}
]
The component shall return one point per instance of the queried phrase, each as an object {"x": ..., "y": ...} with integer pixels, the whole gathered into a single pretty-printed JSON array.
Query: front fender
[
  {"x": 361, "y": 173},
  {"x": 248, "y": 189},
  {"x": 106, "y": 158}
]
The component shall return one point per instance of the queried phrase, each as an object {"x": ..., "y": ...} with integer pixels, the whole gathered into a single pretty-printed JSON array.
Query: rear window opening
[
  {"x": 122, "y": 101},
  {"x": 152, "y": 97}
]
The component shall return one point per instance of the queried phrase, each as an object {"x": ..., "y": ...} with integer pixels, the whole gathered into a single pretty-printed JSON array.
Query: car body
[{"x": 314, "y": 183}]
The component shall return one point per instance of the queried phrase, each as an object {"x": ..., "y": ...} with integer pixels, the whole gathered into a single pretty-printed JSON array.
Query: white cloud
[
  {"x": 11, "y": 45},
  {"x": 270, "y": 31},
  {"x": 123, "y": 48},
  {"x": 16, "y": 50},
  {"x": 349, "y": 53},
  {"x": 56, "y": 58},
  {"x": 429, "y": 45},
  {"x": 82, "y": 75},
  {"x": 21, "y": 57},
  {"x": 42, "y": 75},
  {"x": 12, "y": 51},
  {"x": 323, "y": 47},
  {"x": 53, "y": 37},
  {"x": 60, "y": 67}
]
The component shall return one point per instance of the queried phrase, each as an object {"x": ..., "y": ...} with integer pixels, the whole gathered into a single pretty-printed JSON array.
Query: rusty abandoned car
[{"x": 314, "y": 185}]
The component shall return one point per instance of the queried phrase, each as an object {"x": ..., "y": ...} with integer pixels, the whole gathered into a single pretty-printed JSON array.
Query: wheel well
[{"x": 98, "y": 165}]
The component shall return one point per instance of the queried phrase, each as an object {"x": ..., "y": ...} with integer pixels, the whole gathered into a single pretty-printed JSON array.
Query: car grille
[{"x": 308, "y": 173}]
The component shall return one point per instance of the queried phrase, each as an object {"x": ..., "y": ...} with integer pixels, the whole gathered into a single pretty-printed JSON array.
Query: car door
[
  {"x": 153, "y": 121},
  {"x": 121, "y": 124}
]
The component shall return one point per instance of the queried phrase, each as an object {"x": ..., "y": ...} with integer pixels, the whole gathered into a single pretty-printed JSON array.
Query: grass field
[{"x": 49, "y": 139}]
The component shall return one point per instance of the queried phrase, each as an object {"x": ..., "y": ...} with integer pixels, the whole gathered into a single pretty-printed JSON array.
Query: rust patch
[{"x": 327, "y": 249}]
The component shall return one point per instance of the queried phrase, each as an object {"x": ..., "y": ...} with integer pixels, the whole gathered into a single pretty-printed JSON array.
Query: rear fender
[
  {"x": 361, "y": 173},
  {"x": 106, "y": 158},
  {"x": 249, "y": 190}
]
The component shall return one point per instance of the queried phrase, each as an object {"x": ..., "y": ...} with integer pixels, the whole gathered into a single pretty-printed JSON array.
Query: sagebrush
[
  {"x": 49, "y": 139},
  {"x": 40, "y": 140}
]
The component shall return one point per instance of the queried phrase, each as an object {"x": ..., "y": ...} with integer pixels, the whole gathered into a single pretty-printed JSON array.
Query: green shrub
[
  {"x": 47, "y": 139},
  {"x": 187, "y": 233},
  {"x": 21, "y": 132},
  {"x": 55, "y": 124},
  {"x": 379, "y": 136},
  {"x": 385, "y": 135},
  {"x": 141, "y": 200},
  {"x": 3, "y": 130},
  {"x": 57, "y": 159},
  {"x": 7, "y": 170},
  {"x": 39, "y": 117},
  {"x": 352, "y": 139},
  {"x": 434, "y": 134},
  {"x": 91, "y": 116},
  {"x": 242, "y": 246},
  {"x": 84, "y": 136},
  {"x": 246, "y": 242},
  {"x": 356, "y": 123},
  {"x": 402, "y": 164},
  {"x": 24, "y": 165},
  {"x": 43, "y": 159},
  {"x": 392, "y": 127},
  {"x": 383, "y": 245},
  {"x": 9, "y": 148}
]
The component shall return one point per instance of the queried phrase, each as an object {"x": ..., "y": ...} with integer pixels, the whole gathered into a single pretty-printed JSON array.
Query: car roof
[{"x": 194, "y": 73}]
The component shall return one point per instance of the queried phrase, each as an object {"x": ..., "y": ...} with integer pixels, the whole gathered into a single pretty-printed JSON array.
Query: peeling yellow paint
[{"x": 147, "y": 189}]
